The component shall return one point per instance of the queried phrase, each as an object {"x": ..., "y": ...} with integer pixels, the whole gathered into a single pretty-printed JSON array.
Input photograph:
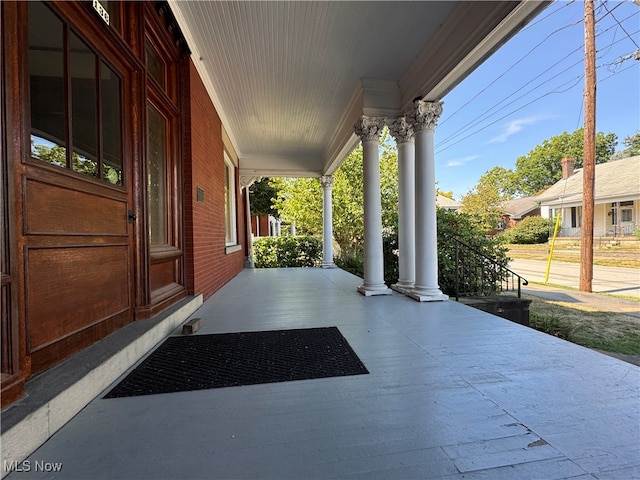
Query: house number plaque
[{"x": 97, "y": 6}]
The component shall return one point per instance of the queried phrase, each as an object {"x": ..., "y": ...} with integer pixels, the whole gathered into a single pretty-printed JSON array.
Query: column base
[
  {"x": 328, "y": 265},
  {"x": 402, "y": 287},
  {"x": 372, "y": 290},
  {"x": 428, "y": 295}
]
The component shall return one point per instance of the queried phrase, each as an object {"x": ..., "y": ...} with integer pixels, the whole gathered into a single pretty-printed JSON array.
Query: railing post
[{"x": 457, "y": 272}]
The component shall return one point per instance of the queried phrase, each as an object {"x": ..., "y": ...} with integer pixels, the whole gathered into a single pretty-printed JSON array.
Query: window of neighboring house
[
  {"x": 626, "y": 211},
  {"x": 229, "y": 201},
  {"x": 576, "y": 217},
  {"x": 75, "y": 101}
]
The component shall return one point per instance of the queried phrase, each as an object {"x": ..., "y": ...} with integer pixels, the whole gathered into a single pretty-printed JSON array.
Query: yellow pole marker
[{"x": 553, "y": 241}]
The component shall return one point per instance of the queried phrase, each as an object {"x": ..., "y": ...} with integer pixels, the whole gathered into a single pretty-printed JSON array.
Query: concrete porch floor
[{"x": 453, "y": 393}]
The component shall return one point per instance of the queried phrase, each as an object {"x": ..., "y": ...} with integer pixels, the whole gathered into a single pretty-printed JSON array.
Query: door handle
[{"x": 131, "y": 216}]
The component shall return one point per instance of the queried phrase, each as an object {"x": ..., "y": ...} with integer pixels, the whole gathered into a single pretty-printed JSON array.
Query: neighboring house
[
  {"x": 447, "y": 203},
  {"x": 266, "y": 226},
  {"x": 616, "y": 198},
  {"x": 513, "y": 211},
  {"x": 130, "y": 133}
]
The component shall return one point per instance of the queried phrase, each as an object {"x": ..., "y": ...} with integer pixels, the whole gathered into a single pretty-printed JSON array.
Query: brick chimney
[{"x": 567, "y": 167}]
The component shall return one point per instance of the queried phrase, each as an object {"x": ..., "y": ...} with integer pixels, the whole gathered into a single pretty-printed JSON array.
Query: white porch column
[
  {"x": 369, "y": 130},
  {"x": 246, "y": 182},
  {"x": 424, "y": 117},
  {"x": 293, "y": 228},
  {"x": 327, "y": 221},
  {"x": 402, "y": 132},
  {"x": 272, "y": 226},
  {"x": 278, "y": 227}
]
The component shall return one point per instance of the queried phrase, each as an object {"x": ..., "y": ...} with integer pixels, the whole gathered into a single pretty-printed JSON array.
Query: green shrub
[
  {"x": 351, "y": 263},
  {"x": 462, "y": 227},
  {"x": 287, "y": 251},
  {"x": 530, "y": 230},
  {"x": 450, "y": 224},
  {"x": 355, "y": 263}
]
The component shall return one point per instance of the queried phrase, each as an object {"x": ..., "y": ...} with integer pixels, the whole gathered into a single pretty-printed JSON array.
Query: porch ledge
[{"x": 57, "y": 395}]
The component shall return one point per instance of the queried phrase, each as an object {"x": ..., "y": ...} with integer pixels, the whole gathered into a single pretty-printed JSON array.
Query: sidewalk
[
  {"x": 610, "y": 280},
  {"x": 607, "y": 302}
]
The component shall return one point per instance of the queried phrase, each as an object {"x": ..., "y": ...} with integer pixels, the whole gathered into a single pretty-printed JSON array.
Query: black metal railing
[{"x": 476, "y": 274}]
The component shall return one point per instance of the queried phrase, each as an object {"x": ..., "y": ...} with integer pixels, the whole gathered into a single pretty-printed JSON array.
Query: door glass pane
[
  {"x": 111, "y": 125},
  {"x": 155, "y": 65},
  {"x": 156, "y": 176},
  {"x": 84, "y": 119},
  {"x": 46, "y": 83}
]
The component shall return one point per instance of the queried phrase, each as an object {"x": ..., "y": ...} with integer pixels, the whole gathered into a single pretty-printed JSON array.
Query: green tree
[
  {"x": 503, "y": 179},
  {"x": 447, "y": 194},
  {"x": 481, "y": 204},
  {"x": 261, "y": 197},
  {"x": 541, "y": 167},
  {"x": 300, "y": 199},
  {"x": 632, "y": 147}
]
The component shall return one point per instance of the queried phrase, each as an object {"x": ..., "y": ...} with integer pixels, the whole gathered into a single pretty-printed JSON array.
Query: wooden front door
[{"x": 76, "y": 234}]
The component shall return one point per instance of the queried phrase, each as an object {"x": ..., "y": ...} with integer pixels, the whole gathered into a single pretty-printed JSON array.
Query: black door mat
[{"x": 201, "y": 362}]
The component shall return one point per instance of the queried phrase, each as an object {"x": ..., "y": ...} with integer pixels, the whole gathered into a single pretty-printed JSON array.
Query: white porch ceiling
[{"x": 290, "y": 78}]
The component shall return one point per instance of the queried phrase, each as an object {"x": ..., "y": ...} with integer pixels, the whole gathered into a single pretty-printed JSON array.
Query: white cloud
[
  {"x": 458, "y": 162},
  {"x": 516, "y": 126}
]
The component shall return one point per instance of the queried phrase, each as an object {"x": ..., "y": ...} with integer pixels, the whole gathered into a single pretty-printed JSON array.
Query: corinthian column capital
[
  {"x": 369, "y": 128},
  {"x": 326, "y": 181},
  {"x": 401, "y": 130},
  {"x": 424, "y": 115}
]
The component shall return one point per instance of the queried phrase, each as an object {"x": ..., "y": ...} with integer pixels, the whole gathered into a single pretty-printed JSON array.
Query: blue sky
[{"x": 532, "y": 89}]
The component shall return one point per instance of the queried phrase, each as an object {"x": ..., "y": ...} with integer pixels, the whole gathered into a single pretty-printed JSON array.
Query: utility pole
[{"x": 588, "y": 166}]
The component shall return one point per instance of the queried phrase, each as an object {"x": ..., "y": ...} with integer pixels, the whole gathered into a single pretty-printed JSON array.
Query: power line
[
  {"x": 511, "y": 68},
  {"x": 512, "y": 112},
  {"x": 480, "y": 118},
  {"x": 485, "y": 115},
  {"x": 620, "y": 24},
  {"x": 575, "y": 82},
  {"x": 528, "y": 53}
]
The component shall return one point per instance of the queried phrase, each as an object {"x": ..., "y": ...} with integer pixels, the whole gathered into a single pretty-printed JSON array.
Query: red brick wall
[{"x": 208, "y": 266}]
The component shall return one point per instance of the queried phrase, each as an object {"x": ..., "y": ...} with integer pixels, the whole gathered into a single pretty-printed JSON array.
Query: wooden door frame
[{"x": 14, "y": 331}]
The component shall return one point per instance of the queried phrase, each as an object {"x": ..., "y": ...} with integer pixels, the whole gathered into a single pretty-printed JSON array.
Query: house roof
[
  {"x": 446, "y": 202},
  {"x": 614, "y": 180},
  {"x": 518, "y": 207},
  {"x": 289, "y": 79}
]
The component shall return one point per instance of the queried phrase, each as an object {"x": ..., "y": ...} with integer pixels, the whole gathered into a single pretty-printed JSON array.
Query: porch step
[{"x": 57, "y": 395}]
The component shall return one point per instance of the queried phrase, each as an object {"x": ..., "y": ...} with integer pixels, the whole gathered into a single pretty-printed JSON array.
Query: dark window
[
  {"x": 576, "y": 217},
  {"x": 84, "y": 110},
  {"x": 155, "y": 66},
  {"x": 47, "y": 85},
  {"x": 75, "y": 101}
]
